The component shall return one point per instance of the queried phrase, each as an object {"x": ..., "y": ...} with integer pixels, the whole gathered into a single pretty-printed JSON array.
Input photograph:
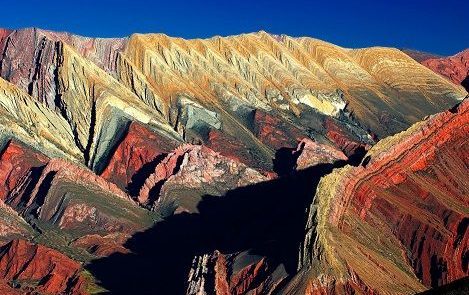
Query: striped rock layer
[{"x": 101, "y": 139}]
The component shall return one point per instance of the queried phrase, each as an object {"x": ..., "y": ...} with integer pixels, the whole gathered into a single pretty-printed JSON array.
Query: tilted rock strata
[
  {"x": 74, "y": 198},
  {"x": 92, "y": 130},
  {"x": 43, "y": 65},
  {"x": 455, "y": 68},
  {"x": 39, "y": 268},
  {"x": 253, "y": 66},
  {"x": 15, "y": 162},
  {"x": 62, "y": 194},
  {"x": 219, "y": 88},
  {"x": 24, "y": 118},
  {"x": 402, "y": 213},
  {"x": 189, "y": 173},
  {"x": 312, "y": 153},
  {"x": 239, "y": 273},
  {"x": 137, "y": 152}
]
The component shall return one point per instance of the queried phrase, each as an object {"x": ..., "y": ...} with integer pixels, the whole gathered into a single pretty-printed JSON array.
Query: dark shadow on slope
[
  {"x": 268, "y": 218},
  {"x": 458, "y": 287},
  {"x": 356, "y": 158},
  {"x": 138, "y": 179},
  {"x": 285, "y": 160},
  {"x": 465, "y": 83}
]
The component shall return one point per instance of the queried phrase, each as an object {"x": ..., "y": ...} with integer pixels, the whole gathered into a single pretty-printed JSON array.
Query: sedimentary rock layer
[
  {"x": 219, "y": 89},
  {"x": 103, "y": 138},
  {"x": 34, "y": 267},
  {"x": 398, "y": 222},
  {"x": 455, "y": 68}
]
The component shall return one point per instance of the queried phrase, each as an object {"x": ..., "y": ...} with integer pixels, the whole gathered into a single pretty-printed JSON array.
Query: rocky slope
[
  {"x": 398, "y": 222},
  {"x": 455, "y": 68},
  {"x": 120, "y": 151},
  {"x": 31, "y": 267},
  {"x": 395, "y": 224}
]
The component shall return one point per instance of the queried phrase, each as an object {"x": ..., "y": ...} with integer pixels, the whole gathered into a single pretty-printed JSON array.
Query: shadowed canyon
[{"x": 248, "y": 164}]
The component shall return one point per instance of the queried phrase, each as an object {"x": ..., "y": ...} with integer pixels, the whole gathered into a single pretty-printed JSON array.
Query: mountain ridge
[{"x": 109, "y": 144}]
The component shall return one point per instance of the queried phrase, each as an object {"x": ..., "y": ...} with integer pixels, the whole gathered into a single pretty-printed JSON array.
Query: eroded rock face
[
  {"x": 135, "y": 156},
  {"x": 74, "y": 198},
  {"x": 273, "y": 132},
  {"x": 16, "y": 160},
  {"x": 190, "y": 172},
  {"x": 238, "y": 88},
  {"x": 7, "y": 289},
  {"x": 312, "y": 153},
  {"x": 32, "y": 267},
  {"x": 239, "y": 273},
  {"x": 59, "y": 194},
  {"x": 402, "y": 211}
]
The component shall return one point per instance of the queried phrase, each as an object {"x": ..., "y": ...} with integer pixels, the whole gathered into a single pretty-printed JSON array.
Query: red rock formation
[
  {"x": 421, "y": 196},
  {"x": 163, "y": 171},
  {"x": 395, "y": 225},
  {"x": 62, "y": 169},
  {"x": 5, "y": 289},
  {"x": 232, "y": 148},
  {"x": 312, "y": 153},
  {"x": 342, "y": 140},
  {"x": 409, "y": 199},
  {"x": 274, "y": 132},
  {"x": 40, "y": 268},
  {"x": 139, "y": 147},
  {"x": 454, "y": 68},
  {"x": 73, "y": 172},
  {"x": 70, "y": 196},
  {"x": 29, "y": 57},
  {"x": 234, "y": 274},
  {"x": 15, "y": 162},
  {"x": 197, "y": 169}
]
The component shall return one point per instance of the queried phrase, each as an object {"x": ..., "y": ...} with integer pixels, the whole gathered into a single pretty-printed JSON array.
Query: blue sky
[{"x": 436, "y": 26}]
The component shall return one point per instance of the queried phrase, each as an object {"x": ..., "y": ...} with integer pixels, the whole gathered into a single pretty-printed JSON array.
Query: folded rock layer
[
  {"x": 105, "y": 141},
  {"x": 398, "y": 222}
]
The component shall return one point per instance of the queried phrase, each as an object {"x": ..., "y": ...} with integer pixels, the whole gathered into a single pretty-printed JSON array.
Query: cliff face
[
  {"x": 223, "y": 140},
  {"x": 133, "y": 156}
]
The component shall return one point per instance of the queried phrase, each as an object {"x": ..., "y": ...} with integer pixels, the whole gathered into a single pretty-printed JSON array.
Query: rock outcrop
[
  {"x": 30, "y": 268},
  {"x": 220, "y": 88},
  {"x": 137, "y": 153},
  {"x": 312, "y": 153},
  {"x": 183, "y": 177},
  {"x": 58, "y": 197},
  {"x": 74, "y": 198},
  {"x": 234, "y": 274}
]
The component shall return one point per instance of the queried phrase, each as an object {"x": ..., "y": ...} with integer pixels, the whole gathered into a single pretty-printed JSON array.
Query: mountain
[
  {"x": 455, "y": 68},
  {"x": 249, "y": 164}
]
